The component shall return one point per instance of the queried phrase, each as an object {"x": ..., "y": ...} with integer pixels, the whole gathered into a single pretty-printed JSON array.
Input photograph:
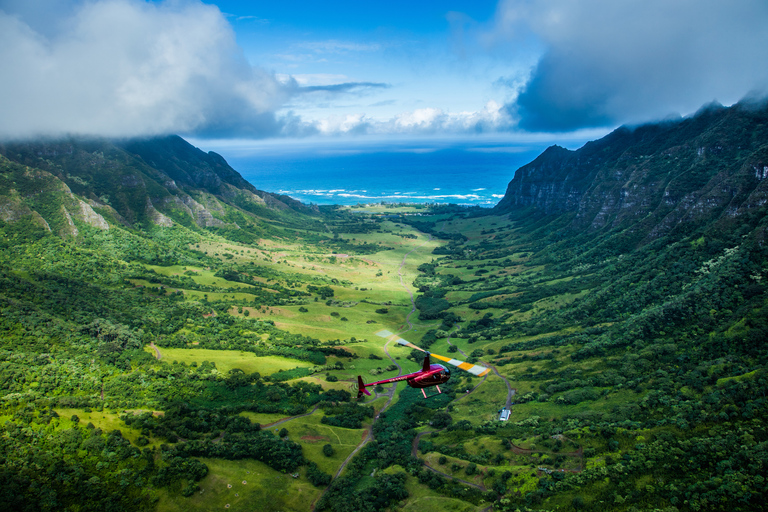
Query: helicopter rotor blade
[
  {"x": 474, "y": 369},
  {"x": 389, "y": 335}
]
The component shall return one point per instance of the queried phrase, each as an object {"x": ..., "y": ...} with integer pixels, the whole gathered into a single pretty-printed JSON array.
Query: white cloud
[
  {"x": 127, "y": 67},
  {"x": 336, "y": 125},
  {"x": 606, "y": 62},
  {"x": 493, "y": 117}
]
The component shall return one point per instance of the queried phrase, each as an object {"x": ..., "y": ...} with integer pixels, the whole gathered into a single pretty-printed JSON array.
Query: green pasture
[
  {"x": 218, "y": 247},
  {"x": 421, "y": 498},
  {"x": 219, "y": 296},
  {"x": 263, "y": 418},
  {"x": 552, "y": 303},
  {"x": 379, "y": 401},
  {"x": 312, "y": 435},
  {"x": 432, "y": 460},
  {"x": 106, "y": 421},
  {"x": 318, "y": 322},
  {"x": 463, "y": 344},
  {"x": 364, "y": 364},
  {"x": 482, "y": 404},
  {"x": 484, "y": 443},
  {"x": 474, "y": 227},
  {"x": 206, "y": 278},
  {"x": 320, "y": 379},
  {"x": 226, "y": 360},
  {"x": 172, "y": 270},
  {"x": 242, "y": 485}
]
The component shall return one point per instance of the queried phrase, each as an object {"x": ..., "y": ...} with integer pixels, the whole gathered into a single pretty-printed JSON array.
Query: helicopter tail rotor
[{"x": 361, "y": 387}]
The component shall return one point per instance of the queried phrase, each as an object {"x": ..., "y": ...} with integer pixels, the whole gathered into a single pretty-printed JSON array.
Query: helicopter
[{"x": 429, "y": 375}]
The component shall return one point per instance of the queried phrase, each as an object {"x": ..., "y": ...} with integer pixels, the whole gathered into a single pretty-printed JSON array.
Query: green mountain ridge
[
  {"x": 137, "y": 183},
  {"x": 648, "y": 181}
]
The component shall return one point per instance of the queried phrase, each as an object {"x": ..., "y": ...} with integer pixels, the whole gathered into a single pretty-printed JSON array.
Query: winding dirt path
[
  {"x": 285, "y": 420},
  {"x": 158, "y": 355},
  {"x": 510, "y": 390},
  {"x": 448, "y": 340}
]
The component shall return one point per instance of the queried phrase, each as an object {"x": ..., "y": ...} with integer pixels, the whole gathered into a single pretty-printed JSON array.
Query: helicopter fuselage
[{"x": 430, "y": 375}]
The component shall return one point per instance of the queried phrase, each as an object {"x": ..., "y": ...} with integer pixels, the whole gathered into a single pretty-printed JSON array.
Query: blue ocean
[{"x": 459, "y": 174}]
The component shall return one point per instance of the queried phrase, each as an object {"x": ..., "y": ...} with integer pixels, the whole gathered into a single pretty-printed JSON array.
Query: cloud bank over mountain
[{"x": 607, "y": 63}]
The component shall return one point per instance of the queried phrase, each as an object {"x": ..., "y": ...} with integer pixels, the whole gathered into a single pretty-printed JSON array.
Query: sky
[{"x": 235, "y": 70}]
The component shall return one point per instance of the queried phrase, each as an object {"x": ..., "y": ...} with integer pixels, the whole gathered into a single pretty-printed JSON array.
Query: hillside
[
  {"x": 137, "y": 184},
  {"x": 175, "y": 339},
  {"x": 638, "y": 184}
]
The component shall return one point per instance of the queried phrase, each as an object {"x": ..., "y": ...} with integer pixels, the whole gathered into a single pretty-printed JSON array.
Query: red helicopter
[{"x": 429, "y": 375}]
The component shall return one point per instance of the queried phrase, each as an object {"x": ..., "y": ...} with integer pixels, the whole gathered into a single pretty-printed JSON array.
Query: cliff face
[{"x": 653, "y": 178}]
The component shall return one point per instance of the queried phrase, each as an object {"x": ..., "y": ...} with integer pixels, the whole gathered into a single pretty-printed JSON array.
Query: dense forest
[{"x": 168, "y": 330}]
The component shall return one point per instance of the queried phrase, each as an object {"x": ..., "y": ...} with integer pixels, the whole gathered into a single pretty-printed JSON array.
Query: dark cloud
[{"x": 608, "y": 62}]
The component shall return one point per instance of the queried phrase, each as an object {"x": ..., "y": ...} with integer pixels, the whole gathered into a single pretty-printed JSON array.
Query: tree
[
  {"x": 328, "y": 450},
  {"x": 441, "y": 419},
  {"x": 283, "y": 432}
]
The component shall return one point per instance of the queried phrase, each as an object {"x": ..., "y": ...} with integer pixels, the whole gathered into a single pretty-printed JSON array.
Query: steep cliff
[{"x": 652, "y": 179}]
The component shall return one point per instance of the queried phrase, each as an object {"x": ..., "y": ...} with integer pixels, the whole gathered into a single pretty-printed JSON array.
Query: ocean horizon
[{"x": 464, "y": 175}]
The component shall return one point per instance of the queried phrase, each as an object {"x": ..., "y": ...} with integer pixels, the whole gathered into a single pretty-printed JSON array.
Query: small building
[{"x": 504, "y": 416}]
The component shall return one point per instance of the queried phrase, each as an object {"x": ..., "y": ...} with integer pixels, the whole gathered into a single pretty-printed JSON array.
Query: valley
[{"x": 175, "y": 339}]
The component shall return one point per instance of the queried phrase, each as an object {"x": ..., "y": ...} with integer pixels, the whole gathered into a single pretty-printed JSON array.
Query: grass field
[
  {"x": 312, "y": 435},
  {"x": 106, "y": 421},
  {"x": 242, "y": 485},
  {"x": 226, "y": 360},
  {"x": 422, "y": 498},
  {"x": 482, "y": 404}
]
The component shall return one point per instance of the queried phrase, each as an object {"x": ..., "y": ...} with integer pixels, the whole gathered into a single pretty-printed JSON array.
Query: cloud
[
  {"x": 128, "y": 67},
  {"x": 608, "y": 62},
  {"x": 424, "y": 121}
]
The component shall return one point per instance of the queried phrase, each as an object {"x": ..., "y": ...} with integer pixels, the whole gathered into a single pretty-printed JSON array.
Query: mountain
[
  {"x": 648, "y": 181},
  {"x": 137, "y": 183}
]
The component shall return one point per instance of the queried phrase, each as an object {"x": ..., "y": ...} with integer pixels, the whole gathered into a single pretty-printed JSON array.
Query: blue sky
[{"x": 230, "y": 71}]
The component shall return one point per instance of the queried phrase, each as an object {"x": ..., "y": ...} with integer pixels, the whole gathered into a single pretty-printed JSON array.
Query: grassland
[
  {"x": 313, "y": 435},
  {"x": 243, "y": 485},
  {"x": 226, "y": 360},
  {"x": 106, "y": 421}
]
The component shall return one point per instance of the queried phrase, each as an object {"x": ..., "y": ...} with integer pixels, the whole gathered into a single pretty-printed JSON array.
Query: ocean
[{"x": 459, "y": 174}]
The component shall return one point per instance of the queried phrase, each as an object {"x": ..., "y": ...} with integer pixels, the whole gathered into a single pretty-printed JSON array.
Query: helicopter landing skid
[{"x": 433, "y": 394}]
